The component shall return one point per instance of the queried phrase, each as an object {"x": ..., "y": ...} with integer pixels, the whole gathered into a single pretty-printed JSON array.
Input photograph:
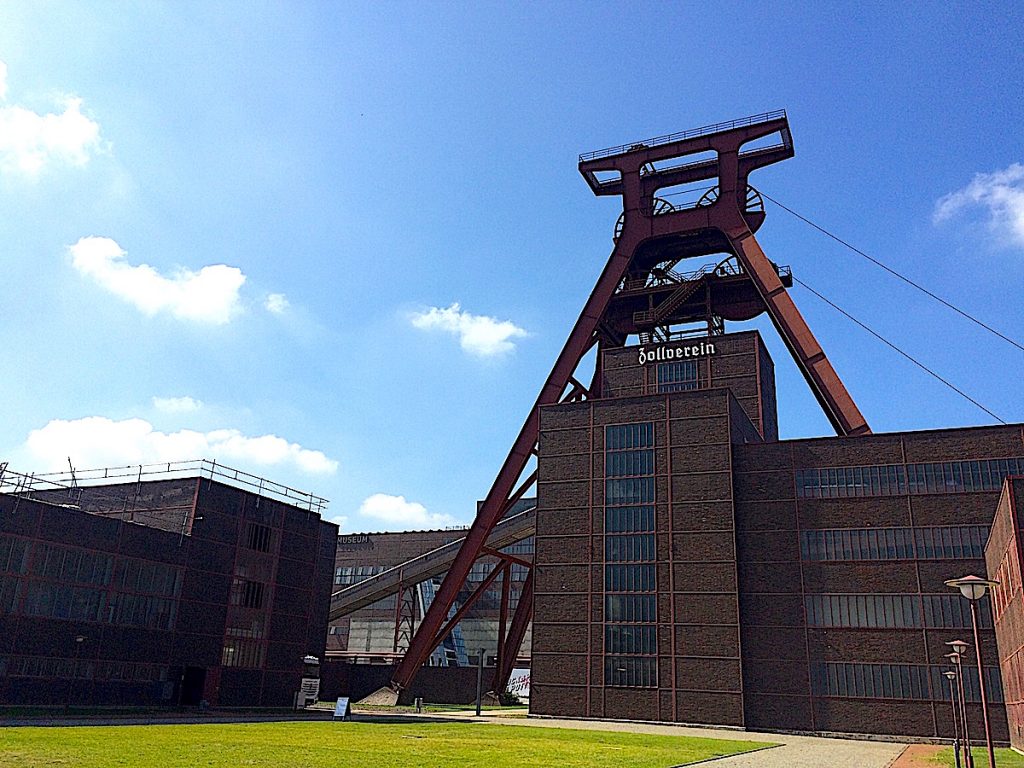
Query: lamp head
[
  {"x": 958, "y": 646},
  {"x": 972, "y": 587}
]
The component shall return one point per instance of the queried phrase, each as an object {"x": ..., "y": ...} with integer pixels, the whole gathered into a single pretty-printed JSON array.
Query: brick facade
[
  {"x": 799, "y": 582},
  {"x": 190, "y": 590}
]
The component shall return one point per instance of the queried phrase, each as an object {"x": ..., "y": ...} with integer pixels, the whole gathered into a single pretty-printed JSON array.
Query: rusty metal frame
[
  {"x": 637, "y": 179},
  {"x": 509, "y": 645}
]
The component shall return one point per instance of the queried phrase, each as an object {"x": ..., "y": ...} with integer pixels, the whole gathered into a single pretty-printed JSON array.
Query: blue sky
[{"x": 341, "y": 244}]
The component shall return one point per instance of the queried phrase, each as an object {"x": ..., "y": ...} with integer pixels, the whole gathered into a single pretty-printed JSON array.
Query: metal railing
[
  {"x": 16, "y": 483},
  {"x": 690, "y": 134}
]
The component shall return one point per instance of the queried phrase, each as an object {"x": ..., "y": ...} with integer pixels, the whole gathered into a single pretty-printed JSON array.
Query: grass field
[
  {"x": 349, "y": 745},
  {"x": 1005, "y": 758}
]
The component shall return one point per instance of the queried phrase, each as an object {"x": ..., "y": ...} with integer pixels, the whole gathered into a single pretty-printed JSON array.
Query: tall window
[{"x": 630, "y": 549}]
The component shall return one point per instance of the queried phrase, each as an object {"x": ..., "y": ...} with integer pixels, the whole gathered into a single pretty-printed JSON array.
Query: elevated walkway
[{"x": 345, "y": 601}]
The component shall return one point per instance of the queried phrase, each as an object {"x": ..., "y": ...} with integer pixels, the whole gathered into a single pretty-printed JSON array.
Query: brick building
[
  {"x": 1004, "y": 557},
  {"x": 692, "y": 567},
  {"x": 160, "y": 592}
]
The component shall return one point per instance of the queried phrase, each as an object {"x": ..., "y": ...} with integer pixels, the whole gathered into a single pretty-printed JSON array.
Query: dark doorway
[{"x": 192, "y": 682}]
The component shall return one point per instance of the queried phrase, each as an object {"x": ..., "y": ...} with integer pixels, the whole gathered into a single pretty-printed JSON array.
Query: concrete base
[{"x": 381, "y": 697}]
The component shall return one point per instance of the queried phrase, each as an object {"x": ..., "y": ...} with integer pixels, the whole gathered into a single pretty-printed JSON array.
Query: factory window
[
  {"x": 247, "y": 594},
  {"x": 871, "y": 681},
  {"x": 143, "y": 611},
  {"x": 258, "y": 537},
  {"x": 9, "y": 587},
  {"x": 631, "y": 671},
  {"x": 623, "y": 436},
  {"x": 243, "y": 653},
  {"x": 630, "y": 608},
  {"x": 904, "y": 543},
  {"x": 629, "y": 519},
  {"x": 629, "y": 463},
  {"x": 898, "y": 479},
  {"x": 12, "y": 554},
  {"x": 631, "y": 639},
  {"x": 630, "y": 578},
  {"x": 916, "y": 682},
  {"x": 353, "y": 574},
  {"x": 863, "y": 611},
  {"x": 940, "y": 611},
  {"x": 633, "y": 490},
  {"x": 629, "y": 523},
  {"x": 629, "y": 548},
  {"x": 952, "y": 611},
  {"x": 677, "y": 377}
]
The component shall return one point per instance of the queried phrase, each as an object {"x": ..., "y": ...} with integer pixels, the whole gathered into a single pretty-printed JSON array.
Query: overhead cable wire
[
  {"x": 894, "y": 273},
  {"x": 889, "y": 344}
]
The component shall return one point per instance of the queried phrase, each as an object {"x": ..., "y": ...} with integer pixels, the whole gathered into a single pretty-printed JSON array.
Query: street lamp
[
  {"x": 951, "y": 676},
  {"x": 955, "y": 659},
  {"x": 974, "y": 588}
]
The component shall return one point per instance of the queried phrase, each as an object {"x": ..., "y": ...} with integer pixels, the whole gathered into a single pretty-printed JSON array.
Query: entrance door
[{"x": 192, "y": 683}]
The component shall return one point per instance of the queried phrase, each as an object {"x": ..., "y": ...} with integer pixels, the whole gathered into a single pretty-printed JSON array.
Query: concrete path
[{"x": 793, "y": 752}]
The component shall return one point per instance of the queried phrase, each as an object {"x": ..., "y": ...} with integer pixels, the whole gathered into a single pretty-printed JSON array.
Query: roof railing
[
  {"x": 17, "y": 483},
  {"x": 693, "y": 133}
]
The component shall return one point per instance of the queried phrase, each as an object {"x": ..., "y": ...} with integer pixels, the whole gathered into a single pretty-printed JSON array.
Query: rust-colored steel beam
[
  {"x": 506, "y": 584},
  {"x": 514, "y": 641},
  {"x": 824, "y": 382},
  {"x": 454, "y": 620},
  {"x": 580, "y": 340}
]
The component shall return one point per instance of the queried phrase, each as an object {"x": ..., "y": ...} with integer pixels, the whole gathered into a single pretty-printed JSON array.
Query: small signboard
[
  {"x": 519, "y": 684},
  {"x": 342, "y": 711}
]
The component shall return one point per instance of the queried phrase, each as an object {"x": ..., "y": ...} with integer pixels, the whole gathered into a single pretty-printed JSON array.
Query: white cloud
[
  {"x": 339, "y": 520},
  {"x": 29, "y": 141},
  {"x": 277, "y": 303},
  {"x": 1001, "y": 192},
  {"x": 177, "y": 404},
  {"x": 96, "y": 441},
  {"x": 478, "y": 334},
  {"x": 207, "y": 296},
  {"x": 394, "y": 513}
]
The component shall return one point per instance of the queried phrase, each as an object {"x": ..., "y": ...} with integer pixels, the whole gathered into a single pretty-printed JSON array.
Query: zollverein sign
[{"x": 674, "y": 352}]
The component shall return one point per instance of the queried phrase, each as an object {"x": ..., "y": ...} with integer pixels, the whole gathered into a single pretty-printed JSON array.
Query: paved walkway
[{"x": 793, "y": 752}]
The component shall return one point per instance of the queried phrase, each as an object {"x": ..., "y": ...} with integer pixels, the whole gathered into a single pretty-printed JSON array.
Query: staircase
[{"x": 669, "y": 305}]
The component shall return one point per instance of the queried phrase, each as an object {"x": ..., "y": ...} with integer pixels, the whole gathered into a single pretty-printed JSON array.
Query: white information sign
[
  {"x": 519, "y": 684},
  {"x": 341, "y": 709}
]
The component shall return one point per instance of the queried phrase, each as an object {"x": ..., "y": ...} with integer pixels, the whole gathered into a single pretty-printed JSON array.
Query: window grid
[
  {"x": 678, "y": 377},
  {"x": 900, "y": 479},
  {"x": 940, "y": 611},
  {"x": 916, "y": 682},
  {"x": 925, "y": 543},
  {"x": 630, "y": 548}
]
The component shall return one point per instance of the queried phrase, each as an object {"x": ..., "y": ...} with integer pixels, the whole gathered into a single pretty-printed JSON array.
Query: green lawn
[
  {"x": 349, "y": 745},
  {"x": 1005, "y": 758}
]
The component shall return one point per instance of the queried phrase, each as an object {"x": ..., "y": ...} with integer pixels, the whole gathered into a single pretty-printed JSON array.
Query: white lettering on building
[{"x": 679, "y": 352}]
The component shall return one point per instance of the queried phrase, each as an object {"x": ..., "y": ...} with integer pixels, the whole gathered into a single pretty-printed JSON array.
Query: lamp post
[
  {"x": 974, "y": 588},
  {"x": 951, "y": 676},
  {"x": 961, "y": 689}
]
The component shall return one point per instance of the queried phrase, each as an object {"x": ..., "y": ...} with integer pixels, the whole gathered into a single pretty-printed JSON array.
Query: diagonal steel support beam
[
  {"x": 810, "y": 358},
  {"x": 580, "y": 340},
  {"x": 511, "y": 644},
  {"x": 454, "y": 620}
]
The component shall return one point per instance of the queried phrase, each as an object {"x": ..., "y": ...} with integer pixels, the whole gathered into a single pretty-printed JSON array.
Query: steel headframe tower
[{"x": 639, "y": 293}]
